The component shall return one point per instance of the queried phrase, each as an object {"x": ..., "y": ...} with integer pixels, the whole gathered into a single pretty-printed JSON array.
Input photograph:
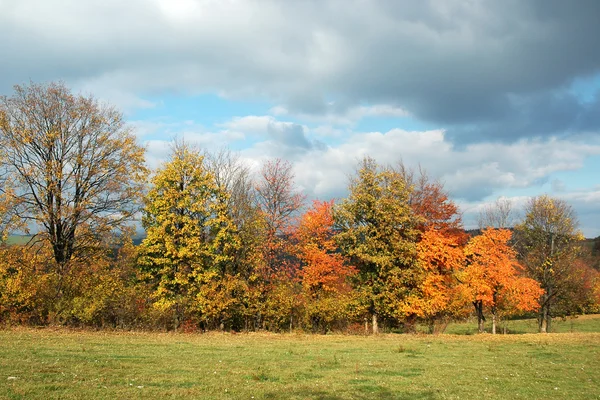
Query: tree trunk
[
  {"x": 545, "y": 318},
  {"x": 543, "y": 321},
  {"x": 375, "y": 326},
  {"x": 494, "y": 320},
  {"x": 480, "y": 317}
]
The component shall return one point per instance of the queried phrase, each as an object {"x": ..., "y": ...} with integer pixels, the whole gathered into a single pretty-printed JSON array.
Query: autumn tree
[
  {"x": 233, "y": 177},
  {"x": 378, "y": 232},
  {"x": 9, "y": 220},
  {"x": 440, "y": 241},
  {"x": 27, "y": 292},
  {"x": 188, "y": 231},
  {"x": 430, "y": 202},
  {"x": 278, "y": 201},
  {"x": 549, "y": 242},
  {"x": 441, "y": 258},
  {"x": 493, "y": 278},
  {"x": 325, "y": 272},
  {"x": 73, "y": 168}
]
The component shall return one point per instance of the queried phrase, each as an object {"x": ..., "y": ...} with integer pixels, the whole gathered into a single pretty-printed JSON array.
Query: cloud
[
  {"x": 584, "y": 202},
  {"x": 473, "y": 174},
  {"x": 484, "y": 70},
  {"x": 344, "y": 116},
  {"x": 287, "y": 135}
]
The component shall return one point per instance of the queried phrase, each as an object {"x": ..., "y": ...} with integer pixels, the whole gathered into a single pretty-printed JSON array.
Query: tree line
[{"x": 228, "y": 249}]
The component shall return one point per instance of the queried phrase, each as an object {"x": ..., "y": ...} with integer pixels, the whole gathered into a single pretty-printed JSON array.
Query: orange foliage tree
[
  {"x": 278, "y": 202},
  {"x": 439, "y": 250},
  {"x": 275, "y": 284},
  {"x": 432, "y": 204},
  {"x": 492, "y": 277},
  {"x": 325, "y": 272},
  {"x": 441, "y": 257}
]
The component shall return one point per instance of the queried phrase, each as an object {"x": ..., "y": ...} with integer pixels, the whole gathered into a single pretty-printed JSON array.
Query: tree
[
  {"x": 9, "y": 220},
  {"x": 497, "y": 215},
  {"x": 378, "y": 232},
  {"x": 188, "y": 231},
  {"x": 325, "y": 272},
  {"x": 431, "y": 203},
  {"x": 74, "y": 167},
  {"x": 492, "y": 277},
  {"x": 232, "y": 177},
  {"x": 549, "y": 243},
  {"x": 439, "y": 248},
  {"x": 278, "y": 202},
  {"x": 441, "y": 258}
]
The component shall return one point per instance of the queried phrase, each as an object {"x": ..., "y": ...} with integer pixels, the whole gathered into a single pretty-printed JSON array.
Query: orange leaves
[
  {"x": 440, "y": 258},
  {"x": 440, "y": 252},
  {"x": 492, "y": 274},
  {"x": 277, "y": 201},
  {"x": 326, "y": 291},
  {"x": 323, "y": 268},
  {"x": 316, "y": 225}
]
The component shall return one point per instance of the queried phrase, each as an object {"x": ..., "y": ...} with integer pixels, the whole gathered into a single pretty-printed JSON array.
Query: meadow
[{"x": 71, "y": 364}]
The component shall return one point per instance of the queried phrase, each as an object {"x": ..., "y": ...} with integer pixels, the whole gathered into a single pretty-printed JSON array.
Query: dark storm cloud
[
  {"x": 486, "y": 70},
  {"x": 500, "y": 68}
]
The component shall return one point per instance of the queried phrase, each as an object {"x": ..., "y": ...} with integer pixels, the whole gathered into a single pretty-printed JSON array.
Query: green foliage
[
  {"x": 377, "y": 231},
  {"x": 549, "y": 244}
]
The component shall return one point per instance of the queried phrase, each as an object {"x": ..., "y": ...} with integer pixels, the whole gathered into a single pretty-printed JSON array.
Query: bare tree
[
  {"x": 74, "y": 168},
  {"x": 276, "y": 196},
  {"x": 232, "y": 175},
  {"x": 278, "y": 201},
  {"x": 497, "y": 215}
]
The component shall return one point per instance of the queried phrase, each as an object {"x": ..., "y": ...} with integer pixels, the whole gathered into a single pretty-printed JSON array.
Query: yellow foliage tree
[
  {"x": 189, "y": 231},
  {"x": 549, "y": 244}
]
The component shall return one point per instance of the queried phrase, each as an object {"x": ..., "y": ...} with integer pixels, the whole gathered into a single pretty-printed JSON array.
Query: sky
[{"x": 496, "y": 99}]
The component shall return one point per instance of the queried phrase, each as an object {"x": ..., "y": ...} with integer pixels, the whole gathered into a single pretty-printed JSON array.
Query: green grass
[
  {"x": 18, "y": 239},
  {"x": 582, "y": 323},
  {"x": 53, "y": 364}
]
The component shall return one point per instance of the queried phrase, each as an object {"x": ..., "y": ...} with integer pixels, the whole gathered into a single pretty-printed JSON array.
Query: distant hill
[
  {"x": 18, "y": 239},
  {"x": 24, "y": 239},
  {"x": 592, "y": 244}
]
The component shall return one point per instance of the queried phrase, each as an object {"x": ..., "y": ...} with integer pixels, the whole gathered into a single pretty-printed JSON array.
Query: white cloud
[{"x": 473, "y": 174}]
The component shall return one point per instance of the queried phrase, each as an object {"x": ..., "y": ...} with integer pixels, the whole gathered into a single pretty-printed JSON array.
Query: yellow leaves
[
  {"x": 71, "y": 161},
  {"x": 189, "y": 233}
]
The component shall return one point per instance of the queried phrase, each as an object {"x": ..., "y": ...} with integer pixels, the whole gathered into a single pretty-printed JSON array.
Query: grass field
[
  {"x": 67, "y": 364},
  {"x": 577, "y": 324}
]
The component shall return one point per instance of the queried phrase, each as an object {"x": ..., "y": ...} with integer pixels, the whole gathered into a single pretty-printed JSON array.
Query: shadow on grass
[{"x": 363, "y": 392}]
